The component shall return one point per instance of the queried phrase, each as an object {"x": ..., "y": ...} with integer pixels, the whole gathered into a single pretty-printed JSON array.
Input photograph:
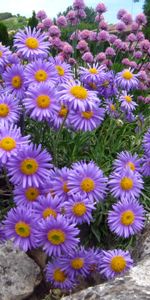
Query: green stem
[{"x": 57, "y": 139}]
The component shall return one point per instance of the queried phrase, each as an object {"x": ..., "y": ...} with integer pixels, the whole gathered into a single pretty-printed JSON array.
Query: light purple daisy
[
  {"x": 146, "y": 141},
  {"x": 111, "y": 109},
  {"x": 115, "y": 262},
  {"x": 126, "y": 185},
  {"x": 59, "y": 278},
  {"x": 9, "y": 109},
  {"x": 11, "y": 142},
  {"x": 31, "y": 44},
  {"x": 92, "y": 74},
  {"x": 86, "y": 120},
  {"x": 127, "y": 103},
  {"x": 126, "y": 160},
  {"x": 127, "y": 218},
  {"x": 15, "y": 80},
  {"x": 40, "y": 71},
  {"x": 60, "y": 113},
  {"x": 47, "y": 207},
  {"x": 57, "y": 235},
  {"x": 20, "y": 225},
  {"x": 4, "y": 54},
  {"x": 60, "y": 183},
  {"x": 79, "y": 209},
  {"x": 76, "y": 263},
  {"x": 127, "y": 80},
  {"x": 63, "y": 70},
  {"x": 30, "y": 167},
  {"x": 40, "y": 101},
  {"x": 27, "y": 196},
  {"x": 88, "y": 180},
  {"x": 77, "y": 97},
  {"x": 145, "y": 170}
]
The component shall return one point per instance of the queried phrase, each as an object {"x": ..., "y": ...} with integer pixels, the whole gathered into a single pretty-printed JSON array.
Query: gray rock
[
  {"x": 134, "y": 285},
  {"x": 19, "y": 274}
]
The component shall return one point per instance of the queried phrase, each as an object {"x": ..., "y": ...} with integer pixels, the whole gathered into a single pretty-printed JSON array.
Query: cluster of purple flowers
[{"x": 51, "y": 203}]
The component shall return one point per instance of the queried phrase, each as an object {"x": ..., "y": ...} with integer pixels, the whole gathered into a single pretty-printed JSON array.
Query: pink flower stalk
[
  {"x": 101, "y": 8},
  {"x": 61, "y": 21},
  {"x": 88, "y": 57}
]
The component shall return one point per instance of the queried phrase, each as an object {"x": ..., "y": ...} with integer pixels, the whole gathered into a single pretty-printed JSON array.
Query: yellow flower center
[
  {"x": 1, "y": 53},
  {"x": 40, "y": 75},
  {"x": 131, "y": 165},
  {"x": 49, "y": 212},
  {"x": 22, "y": 229},
  {"x": 32, "y": 43},
  {"x": 77, "y": 263},
  {"x": 43, "y": 101},
  {"x": 112, "y": 107},
  {"x": 32, "y": 193},
  {"x": 29, "y": 166},
  {"x": 127, "y": 217},
  {"x": 56, "y": 236},
  {"x": 118, "y": 264},
  {"x": 93, "y": 71},
  {"x": 8, "y": 143},
  {"x": 87, "y": 185},
  {"x": 79, "y": 209},
  {"x": 4, "y": 110},
  {"x": 16, "y": 82},
  {"x": 127, "y": 75},
  {"x": 63, "y": 112},
  {"x": 59, "y": 275},
  {"x": 65, "y": 187},
  {"x": 60, "y": 70},
  {"x": 126, "y": 183},
  {"x": 79, "y": 92},
  {"x": 87, "y": 114},
  {"x": 128, "y": 99}
]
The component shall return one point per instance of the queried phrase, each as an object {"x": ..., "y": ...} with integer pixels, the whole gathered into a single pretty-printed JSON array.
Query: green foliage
[
  {"x": 146, "y": 8},
  {"x": 33, "y": 21},
  {"x": 4, "y": 38},
  {"x": 5, "y": 15},
  {"x": 14, "y": 23}
]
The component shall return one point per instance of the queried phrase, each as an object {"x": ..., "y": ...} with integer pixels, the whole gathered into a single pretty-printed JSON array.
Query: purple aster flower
[
  {"x": 47, "y": 207},
  {"x": 110, "y": 108},
  {"x": 41, "y": 14},
  {"x": 60, "y": 183},
  {"x": 107, "y": 85},
  {"x": 115, "y": 262},
  {"x": 57, "y": 235},
  {"x": 40, "y": 71},
  {"x": 58, "y": 117},
  {"x": 30, "y": 167},
  {"x": 59, "y": 278},
  {"x": 15, "y": 80},
  {"x": 63, "y": 70},
  {"x": 146, "y": 141},
  {"x": 4, "y": 54},
  {"x": 126, "y": 185},
  {"x": 76, "y": 263},
  {"x": 61, "y": 21},
  {"x": 79, "y": 209},
  {"x": 88, "y": 57},
  {"x": 31, "y": 44},
  {"x": 146, "y": 165},
  {"x": 20, "y": 225},
  {"x": 76, "y": 96},
  {"x": 95, "y": 259},
  {"x": 101, "y": 8},
  {"x": 126, "y": 160},
  {"x": 88, "y": 180},
  {"x": 91, "y": 74},
  {"x": 127, "y": 80},
  {"x": 86, "y": 120},
  {"x": 127, "y": 103},
  {"x": 11, "y": 141},
  {"x": 13, "y": 59},
  {"x": 127, "y": 218},
  {"x": 40, "y": 101},
  {"x": 27, "y": 196},
  {"x": 9, "y": 109}
]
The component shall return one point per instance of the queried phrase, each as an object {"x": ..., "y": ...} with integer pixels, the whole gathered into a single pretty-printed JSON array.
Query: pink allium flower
[
  {"x": 108, "y": 63},
  {"x": 133, "y": 64},
  {"x": 93, "y": 36},
  {"x": 145, "y": 45},
  {"x": 110, "y": 52},
  {"x": 72, "y": 61},
  {"x": 112, "y": 38},
  {"x": 117, "y": 43},
  {"x": 120, "y": 13},
  {"x": 85, "y": 34},
  {"x": 127, "y": 19},
  {"x": 41, "y": 14},
  {"x": 103, "y": 25},
  {"x": 62, "y": 21},
  {"x": 82, "y": 45},
  {"x": 101, "y": 8},
  {"x": 67, "y": 49},
  {"x": 81, "y": 14},
  {"x": 78, "y": 4},
  {"x": 100, "y": 56},
  {"x": 126, "y": 62},
  {"x": 103, "y": 36},
  {"x": 99, "y": 18},
  {"x": 54, "y": 31},
  {"x": 88, "y": 57},
  {"x": 131, "y": 37},
  {"x": 71, "y": 16},
  {"x": 141, "y": 19},
  {"x": 40, "y": 26},
  {"x": 47, "y": 23},
  {"x": 140, "y": 36},
  {"x": 57, "y": 43},
  {"x": 134, "y": 27},
  {"x": 120, "y": 27}
]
